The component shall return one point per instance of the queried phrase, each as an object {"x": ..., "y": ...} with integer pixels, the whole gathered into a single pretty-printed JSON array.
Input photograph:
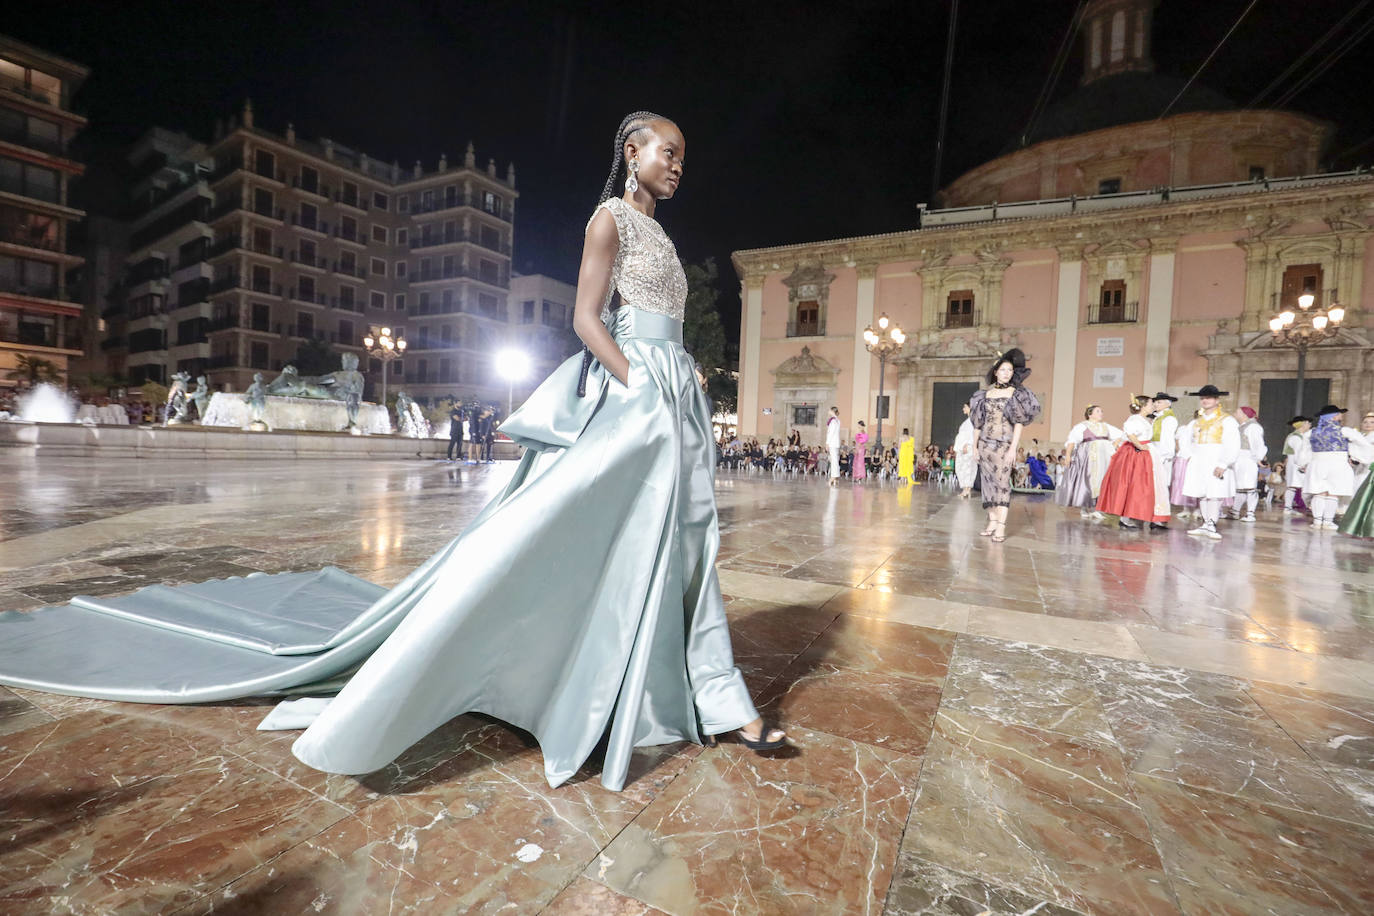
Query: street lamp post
[
  {"x": 884, "y": 342},
  {"x": 382, "y": 344},
  {"x": 1305, "y": 328}
]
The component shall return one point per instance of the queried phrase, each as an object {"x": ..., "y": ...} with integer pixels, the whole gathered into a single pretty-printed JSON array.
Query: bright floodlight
[
  {"x": 1275, "y": 324},
  {"x": 1336, "y": 314},
  {"x": 512, "y": 364},
  {"x": 1305, "y": 300},
  {"x": 1319, "y": 322}
]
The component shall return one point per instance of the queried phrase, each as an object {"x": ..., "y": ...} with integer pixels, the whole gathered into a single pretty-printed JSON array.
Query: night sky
[{"x": 803, "y": 121}]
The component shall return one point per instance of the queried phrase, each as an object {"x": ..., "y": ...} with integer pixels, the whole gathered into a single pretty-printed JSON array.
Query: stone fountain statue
[
  {"x": 345, "y": 385},
  {"x": 201, "y": 398},
  {"x": 256, "y": 399},
  {"x": 178, "y": 406}
]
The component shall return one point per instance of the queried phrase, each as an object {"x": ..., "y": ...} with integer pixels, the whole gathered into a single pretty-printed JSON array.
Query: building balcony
[
  {"x": 311, "y": 297},
  {"x": 238, "y": 244},
  {"x": 1122, "y": 313},
  {"x": 805, "y": 328},
  {"x": 113, "y": 343},
  {"x": 946, "y": 321},
  {"x": 345, "y": 270},
  {"x": 352, "y": 201},
  {"x": 352, "y": 236},
  {"x": 346, "y": 305},
  {"x": 308, "y": 224},
  {"x": 52, "y": 98},
  {"x": 436, "y": 308}
]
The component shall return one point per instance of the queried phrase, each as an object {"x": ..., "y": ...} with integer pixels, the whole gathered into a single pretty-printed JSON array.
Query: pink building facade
[
  {"x": 1108, "y": 297},
  {"x": 1125, "y": 251}
]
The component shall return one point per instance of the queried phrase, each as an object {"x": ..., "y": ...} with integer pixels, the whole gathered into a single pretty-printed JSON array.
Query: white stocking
[
  {"x": 1211, "y": 509},
  {"x": 1288, "y": 496},
  {"x": 1251, "y": 501}
]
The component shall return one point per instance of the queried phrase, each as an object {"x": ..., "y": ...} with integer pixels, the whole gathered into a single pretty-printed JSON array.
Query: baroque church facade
[{"x": 1124, "y": 253}]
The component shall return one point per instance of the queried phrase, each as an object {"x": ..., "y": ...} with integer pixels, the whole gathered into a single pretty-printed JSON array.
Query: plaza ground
[{"x": 1077, "y": 721}]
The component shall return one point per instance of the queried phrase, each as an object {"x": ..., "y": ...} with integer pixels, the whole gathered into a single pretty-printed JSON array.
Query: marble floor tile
[
  {"x": 885, "y": 710},
  {"x": 1099, "y": 638},
  {"x": 94, "y": 817},
  {"x": 1229, "y": 855},
  {"x": 1037, "y": 813},
  {"x": 882, "y": 647},
  {"x": 585, "y": 897},
  {"x": 1330, "y": 727},
  {"x": 1072, "y": 666},
  {"x": 921, "y": 888},
  {"x": 18, "y": 714},
  {"x": 485, "y": 834},
  {"x": 887, "y": 605},
  {"x": 740, "y": 833},
  {"x": 1025, "y": 684}
]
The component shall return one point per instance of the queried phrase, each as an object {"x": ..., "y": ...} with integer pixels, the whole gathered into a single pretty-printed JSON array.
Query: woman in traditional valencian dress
[
  {"x": 1128, "y": 488},
  {"x": 860, "y": 471},
  {"x": 581, "y": 605},
  {"x": 998, "y": 414},
  {"x": 966, "y": 456},
  {"x": 1325, "y": 453},
  {"x": 906, "y": 458},
  {"x": 1090, "y": 445}
]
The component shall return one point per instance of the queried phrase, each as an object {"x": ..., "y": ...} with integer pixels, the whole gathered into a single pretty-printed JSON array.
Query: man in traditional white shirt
[
  {"x": 1163, "y": 444},
  {"x": 1252, "y": 452},
  {"x": 832, "y": 445},
  {"x": 1215, "y": 439}
]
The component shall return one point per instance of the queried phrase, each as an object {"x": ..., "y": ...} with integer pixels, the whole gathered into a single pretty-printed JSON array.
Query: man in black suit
[{"x": 455, "y": 433}]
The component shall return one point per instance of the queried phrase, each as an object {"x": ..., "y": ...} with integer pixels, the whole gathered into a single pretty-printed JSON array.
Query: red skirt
[{"x": 1128, "y": 489}]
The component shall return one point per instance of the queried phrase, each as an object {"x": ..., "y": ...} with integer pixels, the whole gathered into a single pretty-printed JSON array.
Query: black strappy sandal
[{"x": 762, "y": 744}]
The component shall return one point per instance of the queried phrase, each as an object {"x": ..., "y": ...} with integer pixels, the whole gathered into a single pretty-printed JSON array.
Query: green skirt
[{"x": 1359, "y": 518}]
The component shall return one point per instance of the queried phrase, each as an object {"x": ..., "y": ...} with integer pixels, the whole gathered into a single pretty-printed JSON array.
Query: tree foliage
[
  {"x": 315, "y": 357},
  {"x": 703, "y": 335},
  {"x": 34, "y": 369}
]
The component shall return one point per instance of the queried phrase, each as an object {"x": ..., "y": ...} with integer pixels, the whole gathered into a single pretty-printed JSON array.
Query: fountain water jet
[{"x": 47, "y": 404}]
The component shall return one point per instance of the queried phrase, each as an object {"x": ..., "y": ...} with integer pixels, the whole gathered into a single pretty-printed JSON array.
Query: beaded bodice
[{"x": 647, "y": 272}]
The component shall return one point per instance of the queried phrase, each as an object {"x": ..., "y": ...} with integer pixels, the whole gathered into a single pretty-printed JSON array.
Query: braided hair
[{"x": 632, "y": 124}]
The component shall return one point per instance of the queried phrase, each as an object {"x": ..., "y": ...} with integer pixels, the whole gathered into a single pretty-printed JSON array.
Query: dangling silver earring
[{"x": 632, "y": 181}]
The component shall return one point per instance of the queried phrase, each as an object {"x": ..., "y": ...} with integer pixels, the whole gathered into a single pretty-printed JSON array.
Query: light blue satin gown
[
  {"x": 584, "y": 599},
  {"x": 581, "y": 602}
]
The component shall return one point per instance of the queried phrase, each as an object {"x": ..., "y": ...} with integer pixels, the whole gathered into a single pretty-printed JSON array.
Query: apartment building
[
  {"x": 541, "y": 317},
  {"x": 38, "y": 320},
  {"x": 257, "y": 245}
]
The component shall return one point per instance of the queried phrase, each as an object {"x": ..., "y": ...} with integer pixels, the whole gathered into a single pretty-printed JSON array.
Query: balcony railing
[
  {"x": 946, "y": 320},
  {"x": 41, "y": 336},
  {"x": 1125, "y": 313},
  {"x": 20, "y": 135},
  {"x": 36, "y": 290},
  {"x": 349, "y": 270},
  {"x": 314, "y": 297},
  {"x": 806, "y": 328}
]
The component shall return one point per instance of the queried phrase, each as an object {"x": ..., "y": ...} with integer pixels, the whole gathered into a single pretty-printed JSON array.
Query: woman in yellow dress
[{"x": 906, "y": 457}]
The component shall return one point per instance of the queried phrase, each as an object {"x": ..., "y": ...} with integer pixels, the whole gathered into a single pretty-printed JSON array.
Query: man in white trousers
[{"x": 832, "y": 445}]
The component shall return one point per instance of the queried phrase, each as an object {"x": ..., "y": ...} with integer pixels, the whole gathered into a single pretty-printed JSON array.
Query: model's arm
[{"x": 593, "y": 283}]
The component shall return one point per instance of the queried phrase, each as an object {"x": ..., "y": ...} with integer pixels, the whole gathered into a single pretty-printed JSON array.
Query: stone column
[
  {"x": 750, "y": 371},
  {"x": 1159, "y": 315},
  {"x": 909, "y": 406},
  {"x": 863, "y": 360},
  {"x": 1067, "y": 307}
]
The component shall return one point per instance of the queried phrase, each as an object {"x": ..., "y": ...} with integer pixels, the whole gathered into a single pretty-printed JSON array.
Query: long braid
[{"x": 629, "y": 126}]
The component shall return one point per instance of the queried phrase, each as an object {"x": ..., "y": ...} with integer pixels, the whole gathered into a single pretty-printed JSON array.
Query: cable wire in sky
[
  {"x": 1302, "y": 59},
  {"x": 1326, "y": 62},
  {"x": 944, "y": 98},
  {"x": 1191, "y": 79},
  {"x": 1057, "y": 68}
]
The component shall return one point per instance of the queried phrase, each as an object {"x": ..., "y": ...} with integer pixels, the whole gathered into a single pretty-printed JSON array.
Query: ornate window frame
[{"x": 808, "y": 283}]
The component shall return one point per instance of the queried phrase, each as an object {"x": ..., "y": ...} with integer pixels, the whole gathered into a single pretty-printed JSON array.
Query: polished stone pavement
[{"x": 1078, "y": 721}]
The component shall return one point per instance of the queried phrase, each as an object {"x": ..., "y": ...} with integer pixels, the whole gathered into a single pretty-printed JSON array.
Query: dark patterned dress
[{"x": 995, "y": 420}]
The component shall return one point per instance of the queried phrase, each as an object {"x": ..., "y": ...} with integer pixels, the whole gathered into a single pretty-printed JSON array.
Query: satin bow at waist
[{"x": 628, "y": 321}]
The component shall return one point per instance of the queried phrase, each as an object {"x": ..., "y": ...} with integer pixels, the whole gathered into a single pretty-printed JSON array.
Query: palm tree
[{"x": 34, "y": 369}]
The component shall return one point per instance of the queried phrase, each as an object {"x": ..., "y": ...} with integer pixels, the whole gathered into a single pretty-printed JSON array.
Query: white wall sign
[
  {"x": 1109, "y": 378},
  {"x": 767, "y": 411},
  {"x": 1111, "y": 346}
]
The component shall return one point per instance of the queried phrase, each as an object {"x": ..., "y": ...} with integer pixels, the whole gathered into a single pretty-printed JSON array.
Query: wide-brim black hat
[
  {"x": 1165, "y": 396},
  {"x": 1299, "y": 419},
  {"x": 1330, "y": 409},
  {"x": 1208, "y": 391},
  {"x": 1017, "y": 358}
]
